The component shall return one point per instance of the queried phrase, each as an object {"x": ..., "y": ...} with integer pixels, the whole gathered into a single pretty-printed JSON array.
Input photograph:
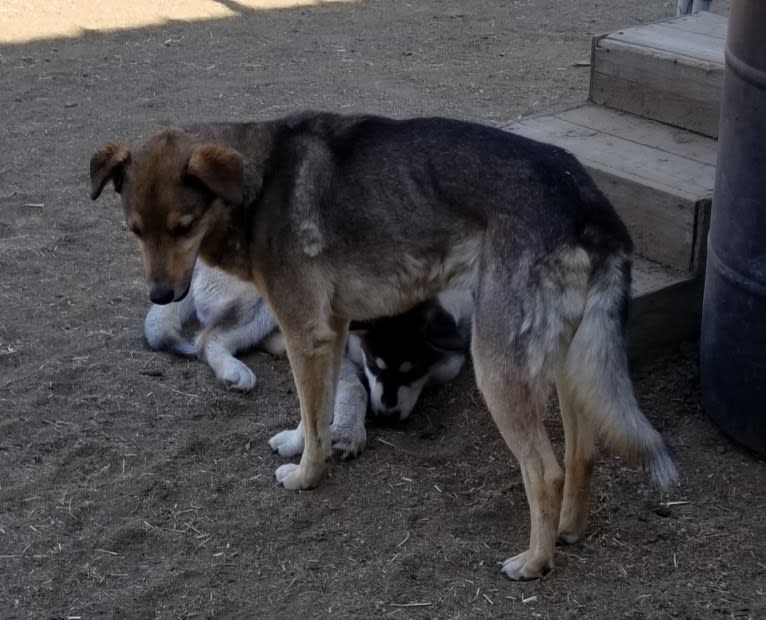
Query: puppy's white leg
[
  {"x": 274, "y": 343},
  {"x": 218, "y": 353},
  {"x": 315, "y": 349},
  {"x": 219, "y": 344},
  {"x": 163, "y": 325},
  {"x": 289, "y": 442},
  {"x": 348, "y": 433}
]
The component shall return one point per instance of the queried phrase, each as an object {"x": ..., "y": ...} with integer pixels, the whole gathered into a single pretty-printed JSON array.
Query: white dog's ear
[
  {"x": 108, "y": 163},
  {"x": 220, "y": 169}
]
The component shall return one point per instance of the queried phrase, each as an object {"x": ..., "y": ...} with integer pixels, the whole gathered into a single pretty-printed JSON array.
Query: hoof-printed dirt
[{"x": 133, "y": 485}]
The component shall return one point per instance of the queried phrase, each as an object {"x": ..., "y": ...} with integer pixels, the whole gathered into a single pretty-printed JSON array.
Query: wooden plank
[
  {"x": 661, "y": 224},
  {"x": 681, "y": 91},
  {"x": 670, "y": 71},
  {"x": 665, "y": 310},
  {"x": 657, "y": 135},
  {"x": 705, "y": 24},
  {"x": 664, "y": 317},
  {"x": 649, "y": 277},
  {"x": 673, "y": 41},
  {"x": 658, "y": 193},
  {"x": 686, "y": 177}
]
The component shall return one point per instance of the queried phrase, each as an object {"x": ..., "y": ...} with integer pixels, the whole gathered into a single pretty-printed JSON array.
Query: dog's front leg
[
  {"x": 348, "y": 433},
  {"x": 315, "y": 352}
]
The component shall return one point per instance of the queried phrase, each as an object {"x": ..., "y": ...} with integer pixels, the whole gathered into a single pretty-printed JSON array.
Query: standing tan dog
[{"x": 339, "y": 218}]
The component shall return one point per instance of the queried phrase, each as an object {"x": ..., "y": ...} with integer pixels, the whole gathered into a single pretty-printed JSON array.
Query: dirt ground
[{"x": 133, "y": 485}]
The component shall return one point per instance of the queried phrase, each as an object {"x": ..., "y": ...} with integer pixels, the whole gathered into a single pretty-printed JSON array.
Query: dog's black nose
[{"x": 160, "y": 294}]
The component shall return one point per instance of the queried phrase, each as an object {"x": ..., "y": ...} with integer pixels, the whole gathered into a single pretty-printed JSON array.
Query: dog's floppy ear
[
  {"x": 220, "y": 169},
  {"x": 108, "y": 163}
]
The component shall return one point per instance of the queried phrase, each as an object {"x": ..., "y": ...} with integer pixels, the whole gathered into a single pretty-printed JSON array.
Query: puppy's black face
[
  {"x": 400, "y": 355},
  {"x": 396, "y": 377}
]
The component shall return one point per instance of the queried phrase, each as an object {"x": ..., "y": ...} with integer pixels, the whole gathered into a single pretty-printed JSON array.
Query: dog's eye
[{"x": 136, "y": 231}]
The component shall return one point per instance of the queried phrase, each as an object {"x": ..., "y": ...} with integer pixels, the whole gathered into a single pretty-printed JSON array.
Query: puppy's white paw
[
  {"x": 236, "y": 375},
  {"x": 524, "y": 567},
  {"x": 299, "y": 477},
  {"x": 348, "y": 441},
  {"x": 288, "y": 443}
]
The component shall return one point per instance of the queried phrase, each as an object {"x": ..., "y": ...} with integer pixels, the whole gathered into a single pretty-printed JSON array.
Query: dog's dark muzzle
[
  {"x": 162, "y": 295},
  {"x": 385, "y": 417}
]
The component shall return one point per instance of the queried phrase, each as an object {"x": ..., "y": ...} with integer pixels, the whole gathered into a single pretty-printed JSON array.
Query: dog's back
[{"x": 435, "y": 191}]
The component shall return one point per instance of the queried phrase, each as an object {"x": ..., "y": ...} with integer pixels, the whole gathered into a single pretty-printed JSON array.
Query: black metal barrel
[{"x": 733, "y": 340}]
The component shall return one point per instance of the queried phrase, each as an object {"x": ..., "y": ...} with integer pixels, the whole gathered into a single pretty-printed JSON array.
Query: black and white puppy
[
  {"x": 404, "y": 353},
  {"x": 387, "y": 363}
]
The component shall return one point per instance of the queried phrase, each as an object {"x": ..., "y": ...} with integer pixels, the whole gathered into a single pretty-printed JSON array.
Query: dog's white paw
[
  {"x": 569, "y": 538},
  {"x": 348, "y": 441},
  {"x": 283, "y": 472},
  {"x": 299, "y": 477},
  {"x": 288, "y": 443},
  {"x": 523, "y": 567},
  {"x": 236, "y": 375}
]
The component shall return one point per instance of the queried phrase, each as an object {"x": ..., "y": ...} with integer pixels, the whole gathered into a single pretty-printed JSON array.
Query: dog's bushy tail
[
  {"x": 163, "y": 327},
  {"x": 596, "y": 367}
]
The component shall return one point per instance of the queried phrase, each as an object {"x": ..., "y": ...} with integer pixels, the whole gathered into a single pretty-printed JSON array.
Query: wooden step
[
  {"x": 659, "y": 178},
  {"x": 670, "y": 71},
  {"x": 666, "y": 309}
]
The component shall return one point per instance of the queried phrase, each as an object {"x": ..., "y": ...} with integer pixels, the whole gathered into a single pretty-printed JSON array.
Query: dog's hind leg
[
  {"x": 315, "y": 352},
  {"x": 579, "y": 454},
  {"x": 595, "y": 369},
  {"x": 517, "y": 406}
]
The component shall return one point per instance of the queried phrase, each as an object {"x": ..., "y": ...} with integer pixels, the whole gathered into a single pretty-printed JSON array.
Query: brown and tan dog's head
[{"x": 173, "y": 190}]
